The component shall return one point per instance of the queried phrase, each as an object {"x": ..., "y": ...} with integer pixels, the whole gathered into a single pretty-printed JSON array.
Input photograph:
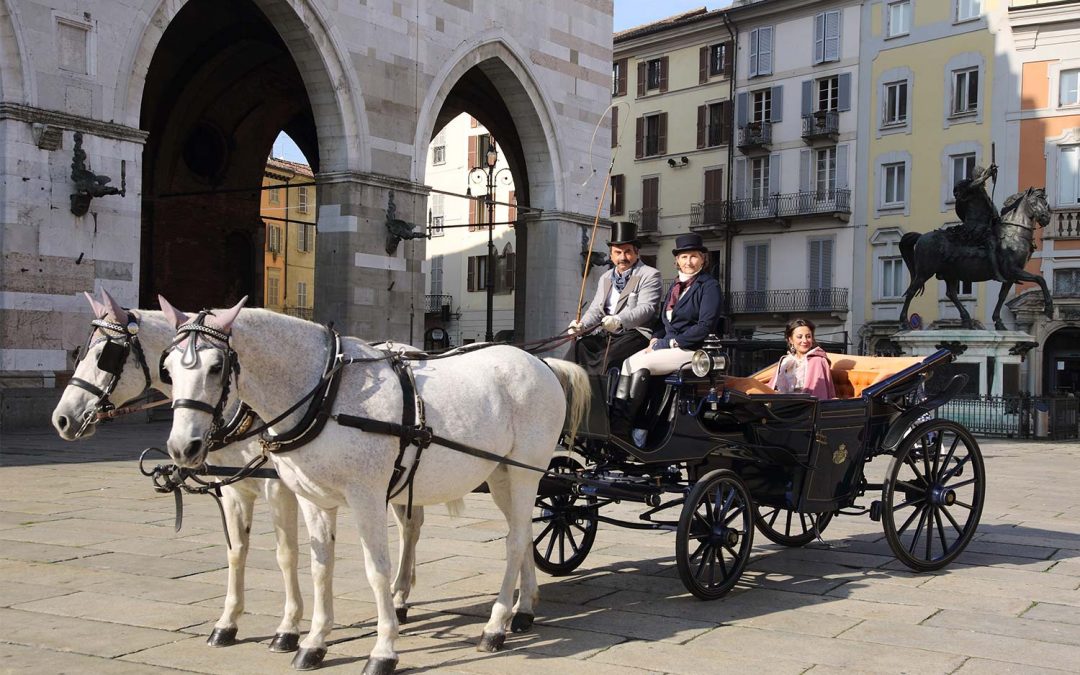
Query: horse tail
[
  {"x": 575, "y": 383},
  {"x": 907, "y": 250}
]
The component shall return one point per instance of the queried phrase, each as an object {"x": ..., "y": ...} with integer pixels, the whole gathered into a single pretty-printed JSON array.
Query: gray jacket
[{"x": 638, "y": 304}]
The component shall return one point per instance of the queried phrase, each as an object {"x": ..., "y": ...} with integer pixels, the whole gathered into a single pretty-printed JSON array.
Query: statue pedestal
[{"x": 996, "y": 355}]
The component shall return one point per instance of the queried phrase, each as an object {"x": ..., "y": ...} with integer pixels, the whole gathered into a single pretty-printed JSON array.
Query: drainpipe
[{"x": 733, "y": 32}]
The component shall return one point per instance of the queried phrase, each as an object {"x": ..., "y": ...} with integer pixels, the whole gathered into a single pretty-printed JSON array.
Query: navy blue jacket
[{"x": 695, "y": 314}]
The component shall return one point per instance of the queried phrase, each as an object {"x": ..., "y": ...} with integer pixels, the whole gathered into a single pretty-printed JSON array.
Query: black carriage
[{"x": 731, "y": 460}]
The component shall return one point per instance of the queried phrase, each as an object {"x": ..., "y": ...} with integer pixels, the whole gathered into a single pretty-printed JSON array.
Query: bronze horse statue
[{"x": 954, "y": 257}]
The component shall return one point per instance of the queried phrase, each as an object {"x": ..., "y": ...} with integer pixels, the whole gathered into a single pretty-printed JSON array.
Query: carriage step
[{"x": 875, "y": 511}]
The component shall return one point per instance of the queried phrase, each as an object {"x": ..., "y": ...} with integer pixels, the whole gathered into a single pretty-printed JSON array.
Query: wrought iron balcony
[
  {"x": 790, "y": 300},
  {"x": 756, "y": 135},
  {"x": 791, "y": 204},
  {"x": 708, "y": 213},
  {"x": 647, "y": 220},
  {"x": 435, "y": 303},
  {"x": 821, "y": 124},
  {"x": 300, "y": 312},
  {"x": 1064, "y": 224}
]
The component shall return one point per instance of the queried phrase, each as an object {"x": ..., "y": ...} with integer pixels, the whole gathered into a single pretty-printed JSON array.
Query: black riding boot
[
  {"x": 629, "y": 397},
  {"x": 991, "y": 253}
]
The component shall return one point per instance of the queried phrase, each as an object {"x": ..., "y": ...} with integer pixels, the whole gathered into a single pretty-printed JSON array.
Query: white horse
[
  {"x": 499, "y": 400},
  {"x": 155, "y": 334}
]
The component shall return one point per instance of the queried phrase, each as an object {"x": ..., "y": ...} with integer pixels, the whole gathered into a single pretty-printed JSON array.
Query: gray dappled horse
[{"x": 943, "y": 253}]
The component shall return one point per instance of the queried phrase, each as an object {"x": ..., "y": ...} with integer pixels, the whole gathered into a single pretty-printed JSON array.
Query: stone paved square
[{"x": 94, "y": 579}]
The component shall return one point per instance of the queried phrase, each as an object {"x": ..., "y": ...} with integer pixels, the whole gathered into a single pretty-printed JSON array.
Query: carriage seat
[{"x": 851, "y": 374}]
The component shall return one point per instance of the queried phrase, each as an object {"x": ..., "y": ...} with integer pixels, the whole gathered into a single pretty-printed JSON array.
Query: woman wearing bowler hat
[{"x": 689, "y": 312}]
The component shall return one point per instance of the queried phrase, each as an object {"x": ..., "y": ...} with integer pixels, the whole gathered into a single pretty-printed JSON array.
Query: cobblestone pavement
[{"x": 93, "y": 579}]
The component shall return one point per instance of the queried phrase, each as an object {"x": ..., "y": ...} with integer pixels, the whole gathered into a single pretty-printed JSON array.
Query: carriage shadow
[{"x": 116, "y": 443}]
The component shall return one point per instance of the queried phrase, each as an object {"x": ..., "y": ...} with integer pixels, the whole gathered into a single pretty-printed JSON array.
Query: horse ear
[
  {"x": 95, "y": 306},
  {"x": 118, "y": 312},
  {"x": 175, "y": 317},
  {"x": 226, "y": 318}
]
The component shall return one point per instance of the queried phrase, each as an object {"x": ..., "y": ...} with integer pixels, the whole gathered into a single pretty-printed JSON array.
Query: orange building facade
[
  {"x": 1044, "y": 139},
  {"x": 288, "y": 208}
]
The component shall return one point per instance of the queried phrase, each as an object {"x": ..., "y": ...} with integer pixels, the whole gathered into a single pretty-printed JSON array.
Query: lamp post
[{"x": 488, "y": 175}]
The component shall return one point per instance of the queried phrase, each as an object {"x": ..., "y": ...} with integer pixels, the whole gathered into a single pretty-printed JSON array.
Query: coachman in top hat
[{"x": 626, "y": 304}]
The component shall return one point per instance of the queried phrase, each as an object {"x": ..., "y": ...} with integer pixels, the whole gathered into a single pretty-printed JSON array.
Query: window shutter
[
  {"x": 702, "y": 111},
  {"x": 805, "y": 170},
  {"x": 751, "y": 268},
  {"x": 471, "y": 284},
  {"x": 753, "y": 64},
  {"x": 661, "y": 141},
  {"x": 614, "y": 126},
  {"x": 832, "y": 36},
  {"x": 742, "y": 108},
  {"x": 641, "y": 78},
  {"x": 620, "y": 86},
  {"x": 843, "y": 92},
  {"x": 714, "y": 185},
  {"x": 725, "y": 122},
  {"x": 663, "y": 73},
  {"x": 777, "y": 104},
  {"x": 774, "y": 173},
  {"x": 729, "y": 58},
  {"x": 639, "y": 138},
  {"x": 814, "y": 272},
  {"x": 807, "y": 97},
  {"x": 826, "y": 263},
  {"x": 703, "y": 66},
  {"x": 765, "y": 51},
  {"x": 819, "y": 38},
  {"x": 472, "y": 151},
  {"x": 841, "y": 167},
  {"x": 618, "y": 182},
  {"x": 511, "y": 211},
  {"x": 740, "y": 178},
  {"x": 472, "y": 213}
]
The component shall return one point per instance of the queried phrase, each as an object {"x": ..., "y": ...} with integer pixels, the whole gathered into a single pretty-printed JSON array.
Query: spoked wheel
[
  {"x": 788, "y": 527},
  {"x": 933, "y": 495},
  {"x": 715, "y": 534},
  {"x": 567, "y": 524}
]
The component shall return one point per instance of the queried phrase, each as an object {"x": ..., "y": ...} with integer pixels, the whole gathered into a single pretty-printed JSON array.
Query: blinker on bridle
[{"x": 111, "y": 360}]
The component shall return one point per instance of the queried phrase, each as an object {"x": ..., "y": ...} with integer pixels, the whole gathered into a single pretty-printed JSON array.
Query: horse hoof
[
  {"x": 222, "y": 637},
  {"x": 308, "y": 659},
  {"x": 521, "y": 623},
  {"x": 376, "y": 666},
  {"x": 490, "y": 642},
  {"x": 402, "y": 614},
  {"x": 285, "y": 642}
]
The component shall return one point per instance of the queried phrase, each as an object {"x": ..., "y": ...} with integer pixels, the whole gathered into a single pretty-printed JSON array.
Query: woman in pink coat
[{"x": 805, "y": 369}]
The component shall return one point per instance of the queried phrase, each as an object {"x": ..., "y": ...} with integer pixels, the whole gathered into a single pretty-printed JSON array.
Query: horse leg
[
  {"x": 369, "y": 509},
  {"x": 405, "y": 579},
  {"x": 283, "y": 513},
  {"x": 238, "y": 504},
  {"x": 952, "y": 289},
  {"x": 1048, "y": 300},
  {"x": 917, "y": 282},
  {"x": 1002, "y": 294},
  {"x": 322, "y": 530},
  {"x": 529, "y": 592}
]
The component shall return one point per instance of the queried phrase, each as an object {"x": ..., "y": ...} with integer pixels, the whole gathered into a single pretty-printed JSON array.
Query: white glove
[
  {"x": 574, "y": 328},
  {"x": 611, "y": 324}
]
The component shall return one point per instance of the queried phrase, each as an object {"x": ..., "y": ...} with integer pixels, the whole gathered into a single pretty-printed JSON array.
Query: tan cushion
[{"x": 850, "y": 373}]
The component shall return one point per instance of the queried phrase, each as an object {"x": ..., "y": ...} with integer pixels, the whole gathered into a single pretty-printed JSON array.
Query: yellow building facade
[
  {"x": 288, "y": 208},
  {"x": 931, "y": 97}
]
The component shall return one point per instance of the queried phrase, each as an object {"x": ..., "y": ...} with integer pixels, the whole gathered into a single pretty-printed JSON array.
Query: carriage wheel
[
  {"x": 715, "y": 534},
  {"x": 567, "y": 524},
  {"x": 933, "y": 495},
  {"x": 788, "y": 527}
]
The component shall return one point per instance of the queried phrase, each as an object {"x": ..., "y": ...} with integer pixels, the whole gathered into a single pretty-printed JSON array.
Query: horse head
[
  {"x": 200, "y": 364},
  {"x": 1040, "y": 208},
  {"x": 109, "y": 370}
]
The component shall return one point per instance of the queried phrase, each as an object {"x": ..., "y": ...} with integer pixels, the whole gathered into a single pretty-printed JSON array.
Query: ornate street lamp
[{"x": 487, "y": 174}]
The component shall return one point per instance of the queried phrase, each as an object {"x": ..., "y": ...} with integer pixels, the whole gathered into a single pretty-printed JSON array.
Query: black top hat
[
  {"x": 689, "y": 242},
  {"x": 624, "y": 232}
]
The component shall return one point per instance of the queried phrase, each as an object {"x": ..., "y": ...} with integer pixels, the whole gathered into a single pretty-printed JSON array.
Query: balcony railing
[
  {"x": 648, "y": 220},
  {"x": 755, "y": 135},
  {"x": 790, "y": 300},
  {"x": 708, "y": 213},
  {"x": 821, "y": 124},
  {"x": 435, "y": 303},
  {"x": 1064, "y": 224},
  {"x": 300, "y": 312},
  {"x": 792, "y": 204}
]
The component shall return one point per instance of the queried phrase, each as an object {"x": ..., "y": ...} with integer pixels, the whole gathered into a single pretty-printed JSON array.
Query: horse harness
[{"x": 119, "y": 342}]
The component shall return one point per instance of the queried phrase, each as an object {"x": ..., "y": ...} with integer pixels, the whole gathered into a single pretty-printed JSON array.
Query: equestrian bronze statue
[{"x": 986, "y": 246}]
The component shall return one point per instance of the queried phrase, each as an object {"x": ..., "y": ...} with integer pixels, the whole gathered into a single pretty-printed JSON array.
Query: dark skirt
[{"x": 590, "y": 351}]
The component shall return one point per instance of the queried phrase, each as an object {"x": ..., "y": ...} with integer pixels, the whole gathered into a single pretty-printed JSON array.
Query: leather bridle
[{"x": 119, "y": 342}]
